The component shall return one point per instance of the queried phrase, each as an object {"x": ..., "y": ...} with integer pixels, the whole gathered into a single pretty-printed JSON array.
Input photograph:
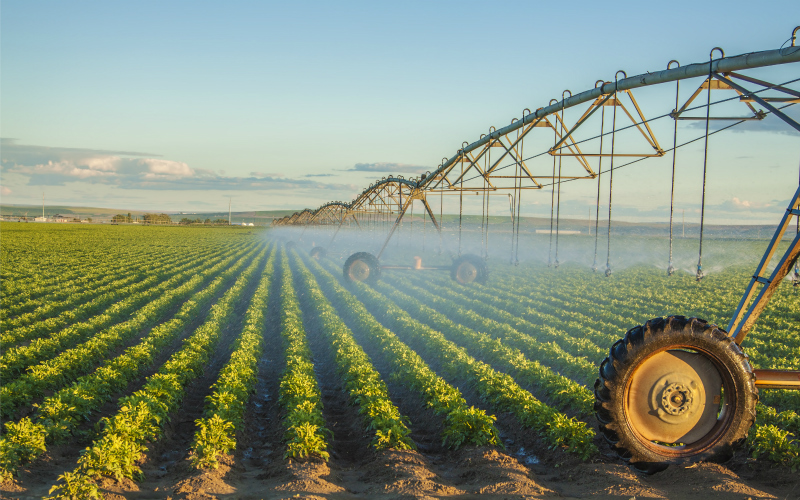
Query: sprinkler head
[
  {"x": 608, "y": 271},
  {"x": 670, "y": 270},
  {"x": 556, "y": 264}
]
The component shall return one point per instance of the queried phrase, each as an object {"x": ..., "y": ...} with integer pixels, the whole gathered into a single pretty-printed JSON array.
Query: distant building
[{"x": 40, "y": 219}]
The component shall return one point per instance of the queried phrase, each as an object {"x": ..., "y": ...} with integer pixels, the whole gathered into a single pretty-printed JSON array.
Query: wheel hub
[
  {"x": 466, "y": 273},
  {"x": 674, "y": 397},
  {"x": 359, "y": 270}
]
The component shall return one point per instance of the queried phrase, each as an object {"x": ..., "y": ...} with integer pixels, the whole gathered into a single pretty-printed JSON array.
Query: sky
[{"x": 286, "y": 105}]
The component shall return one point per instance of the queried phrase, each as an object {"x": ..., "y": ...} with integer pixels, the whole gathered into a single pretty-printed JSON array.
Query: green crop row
[
  {"x": 463, "y": 425},
  {"x": 510, "y": 312},
  {"x": 71, "y": 363},
  {"x": 299, "y": 394},
  {"x": 23, "y": 286},
  {"x": 563, "y": 392},
  {"x": 59, "y": 415},
  {"x": 367, "y": 390},
  {"x": 495, "y": 388},
  {"x": 224, "y": 409},
  {"x": 81, "y": 306},
  {"x": 142, "y": 415},
  {"x": 125, "y": 301},
  {"x": 71, "y": 296}
]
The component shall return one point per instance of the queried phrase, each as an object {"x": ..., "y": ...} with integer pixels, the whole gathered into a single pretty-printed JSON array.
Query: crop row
[
  {"x": 23, "y": 285},
  {"x": 562, "y": 391},
  {"x": 39, "y": 296},
  {"x": 299, "y": 395},
  {"x": 463, "y": 425},
  {"x": 59, "y": 415},
  {"x": 142, "y": 415},
  {"x": 364, "y": 385},
  {"x": 523, "y": 317},
  {"x": 74, "y": 362},
  {"x": 223, "y": 415},
  {"x": 81, "y": 306},
  {"x": 124, "y": 302},
  {"x": 497, "y": 389}
]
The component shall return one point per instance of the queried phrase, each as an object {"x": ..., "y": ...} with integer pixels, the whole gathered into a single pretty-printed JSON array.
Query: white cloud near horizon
[{"x": 46, "y": 166}]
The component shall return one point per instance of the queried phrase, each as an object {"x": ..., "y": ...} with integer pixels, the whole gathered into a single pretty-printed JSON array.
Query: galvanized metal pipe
[{"x": 722, "y": 65}]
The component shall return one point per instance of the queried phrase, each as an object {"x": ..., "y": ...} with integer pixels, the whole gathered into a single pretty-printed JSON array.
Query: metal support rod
[
  {"x": 430, "y": 214},
  {"x": 670, "y": 266},
  {"x": 742, "y": 322},
  {"x": 394, "y": 226},
  {"x": 759, "y": 100},
  {"x": 599, "y": 178}
]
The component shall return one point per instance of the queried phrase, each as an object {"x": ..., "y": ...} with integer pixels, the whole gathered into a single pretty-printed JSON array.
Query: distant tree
[
  {"x": 129, "y": 219},
  {"x": 89, "y": 219},
  {"x": 207, "y": 221},
  {"x": 157, "y": 219},
  {"x": 119, "y": 218},
  {"x": 185, "y": 221}
]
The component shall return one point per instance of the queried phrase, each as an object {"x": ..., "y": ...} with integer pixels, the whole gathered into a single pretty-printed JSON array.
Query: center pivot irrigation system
[{"x": 674, "y": 389}]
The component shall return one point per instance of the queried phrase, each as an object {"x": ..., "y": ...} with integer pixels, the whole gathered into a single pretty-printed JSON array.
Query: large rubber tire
[
  {"x": 675, "y": 338},
  {"x": 362, "y": 266},
  {"x": 318, "y": 253},
  {"x": 469, "y": 268}
]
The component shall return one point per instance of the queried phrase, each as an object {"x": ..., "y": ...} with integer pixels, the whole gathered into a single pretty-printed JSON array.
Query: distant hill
[{"x": 15, "y": 210}]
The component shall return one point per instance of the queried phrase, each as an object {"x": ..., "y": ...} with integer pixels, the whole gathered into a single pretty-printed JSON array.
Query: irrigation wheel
[
  {"x": 469, "y": 268},
  {"x": 675, "y": 390},
  {"x": 318, "y": 253},
  {"x": 362, "y": 266}
]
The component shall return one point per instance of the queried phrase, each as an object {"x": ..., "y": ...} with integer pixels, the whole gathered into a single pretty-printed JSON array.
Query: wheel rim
[
  {"x": 358, "y": 271},
  {"x": 675, "y": 401},
  {"x": 466, "y": 272}
]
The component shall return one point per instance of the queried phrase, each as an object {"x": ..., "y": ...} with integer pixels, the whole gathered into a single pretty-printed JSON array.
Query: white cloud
[
  {"x": 165, "y": 169},
  {"x": 45, "y": 166},
  {"x": 4, "y": 191}
]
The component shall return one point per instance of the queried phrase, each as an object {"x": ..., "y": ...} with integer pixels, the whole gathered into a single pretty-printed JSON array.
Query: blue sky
[{"x": 178, "y": 105}]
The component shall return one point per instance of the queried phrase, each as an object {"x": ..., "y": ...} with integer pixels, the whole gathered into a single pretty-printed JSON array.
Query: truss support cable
[
  {"x": 700, "y": 274},
  {"x": 670, "y": 265},
  {"x": 611, "y": 182},
  {"x": 460, "y": 207},
  {"x": 486, "y": 165},
  {"x": 558, "y": 197},
  {"x": 599, "y": 178},
  {"x": 518, "y": 198},
  {"x": 552, "y": 202},
  {"x": 441, "y": 219}
]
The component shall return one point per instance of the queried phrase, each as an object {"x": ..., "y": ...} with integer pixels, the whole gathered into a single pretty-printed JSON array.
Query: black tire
[
  {"x": 318, "y": 253},
  {"x": 469, "y": 268},
  {"x": 362, "y": 266},
  {"x": 731, "y": 411},
  {"x": 290, "y": 245}
]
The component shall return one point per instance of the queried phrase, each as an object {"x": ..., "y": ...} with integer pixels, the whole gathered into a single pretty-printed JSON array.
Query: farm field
[{"x": 176, "y": 362}]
